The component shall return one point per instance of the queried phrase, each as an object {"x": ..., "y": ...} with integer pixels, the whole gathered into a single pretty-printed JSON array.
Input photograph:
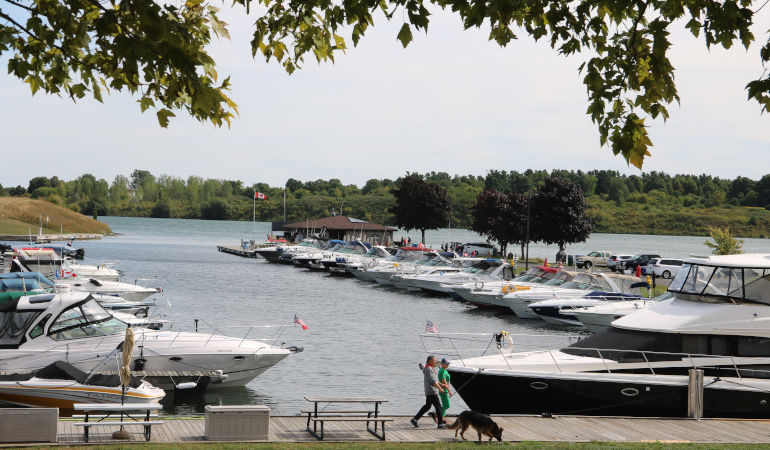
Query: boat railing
[
  {"x": 456, "y": 345},
  {"x": 229, "y": 332}
]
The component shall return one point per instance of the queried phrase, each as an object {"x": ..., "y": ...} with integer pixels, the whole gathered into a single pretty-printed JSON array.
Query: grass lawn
[
  {"x": 20, "y": 215},
  {"x": 429, "y": 446}
]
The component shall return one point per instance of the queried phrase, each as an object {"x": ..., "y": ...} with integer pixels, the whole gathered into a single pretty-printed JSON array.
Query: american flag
[
  {"x": 299, "y": 322},
  {"x": 430, "y": 327}
]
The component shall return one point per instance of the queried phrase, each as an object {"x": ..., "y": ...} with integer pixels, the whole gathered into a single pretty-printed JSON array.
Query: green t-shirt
[{"x": 443, "y": 375}]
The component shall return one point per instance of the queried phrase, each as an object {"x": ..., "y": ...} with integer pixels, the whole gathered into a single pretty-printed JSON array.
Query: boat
[
  {"x": 597, "y": 318},
  {"x": 519, "y": 301},
  {"x": 488, "y": 294},
  {"x": 61, "y": 385},
  {"x": 716, "y": 321},
  {"x": 561, "y": 310},
  {"x": 74, "y": 327},
  {"x": 103, "y": 272}
]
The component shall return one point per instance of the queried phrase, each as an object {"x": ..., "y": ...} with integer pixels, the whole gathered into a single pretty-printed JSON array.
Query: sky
[{"x": 452, "y": 101}]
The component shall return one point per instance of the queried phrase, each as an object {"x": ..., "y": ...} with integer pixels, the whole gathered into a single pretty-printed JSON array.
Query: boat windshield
[
  {"x": 714, "y": 283},
  {"x": 84, "y": 320}
]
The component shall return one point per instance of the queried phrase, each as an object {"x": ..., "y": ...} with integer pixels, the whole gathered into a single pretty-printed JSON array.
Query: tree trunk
[
  {"x": 522, "y": 250},
  {"x": 423, "y": 236}
]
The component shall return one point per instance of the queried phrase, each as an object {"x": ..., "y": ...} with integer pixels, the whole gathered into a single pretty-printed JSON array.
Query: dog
[{"x": 482, "y": 423}]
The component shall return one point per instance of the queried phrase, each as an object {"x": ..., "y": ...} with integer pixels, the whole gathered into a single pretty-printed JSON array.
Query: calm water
[{"x": 362, "y": 339}]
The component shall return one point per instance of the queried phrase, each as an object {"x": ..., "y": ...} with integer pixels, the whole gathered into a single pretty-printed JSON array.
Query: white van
[
  {"x": 481, "y": 249},
  {"x": 664, "y": 267}
]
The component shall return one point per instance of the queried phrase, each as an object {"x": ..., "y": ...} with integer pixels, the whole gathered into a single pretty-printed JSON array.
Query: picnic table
[
  {"x": 371, "y": 409},
  {"x": 110, "y": 410}
]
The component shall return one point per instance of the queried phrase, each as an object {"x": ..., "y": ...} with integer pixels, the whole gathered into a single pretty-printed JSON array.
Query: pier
[
  {"x": 236, "y": 250},
  {"x": 517, "y": 428}
]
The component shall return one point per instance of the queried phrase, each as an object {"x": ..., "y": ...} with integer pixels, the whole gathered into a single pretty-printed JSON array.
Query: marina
[{"x": 343, "y": 318}]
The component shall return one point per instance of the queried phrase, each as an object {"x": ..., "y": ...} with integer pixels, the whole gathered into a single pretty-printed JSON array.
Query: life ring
[{"x": 476, "y": 285}]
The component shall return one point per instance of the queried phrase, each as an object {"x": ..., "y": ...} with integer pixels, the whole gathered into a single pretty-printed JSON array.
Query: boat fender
[
  {"x": 139, "y": 364},
  {"x": 185, "y": 385}
]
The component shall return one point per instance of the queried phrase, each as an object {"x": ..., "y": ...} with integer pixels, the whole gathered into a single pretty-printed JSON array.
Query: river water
[{"x": 363, "y": 340}]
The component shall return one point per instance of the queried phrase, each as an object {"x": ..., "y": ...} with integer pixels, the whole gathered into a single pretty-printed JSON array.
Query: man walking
[{"x": 432, "y": 389}]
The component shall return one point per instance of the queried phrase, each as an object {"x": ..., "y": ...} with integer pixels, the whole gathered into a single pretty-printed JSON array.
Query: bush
[{"x": 161, "y": 210}]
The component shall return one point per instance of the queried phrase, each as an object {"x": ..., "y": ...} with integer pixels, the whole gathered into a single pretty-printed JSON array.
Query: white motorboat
[
  {"x": 103, "y": 272},
  {"x": 472, "y": 269},
  {"x": 126, "y": 291},
  {"x": 488, "y": 294},
  {"x": 61, "y": 385},
  {"x": 599, "y": 317},
  {"x": 519, "y": 301},
  {"x": 73, "y": 327},
  {"x": 717, "y": 322}
]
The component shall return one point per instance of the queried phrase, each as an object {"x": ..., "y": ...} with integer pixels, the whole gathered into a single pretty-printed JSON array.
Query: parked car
[
  {"x": 614, "y": 262},
  {"x": 664, "y": 267},
  {"x": 598, "y": 258},
  {"x": 640, "y": 259}
]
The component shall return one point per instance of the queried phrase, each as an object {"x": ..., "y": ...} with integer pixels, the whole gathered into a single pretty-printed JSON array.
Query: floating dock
[
  {"x": 236, "y": 250},
  {"x": 517, "y": 428}
]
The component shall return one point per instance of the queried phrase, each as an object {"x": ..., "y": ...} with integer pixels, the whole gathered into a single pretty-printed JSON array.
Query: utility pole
[{"x": 529, "y": 202}]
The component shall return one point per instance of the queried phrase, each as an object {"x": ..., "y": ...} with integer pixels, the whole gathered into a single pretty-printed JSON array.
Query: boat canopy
[
  {"x": 24, "y": 281},
  {"x": 720, "y": 279}
]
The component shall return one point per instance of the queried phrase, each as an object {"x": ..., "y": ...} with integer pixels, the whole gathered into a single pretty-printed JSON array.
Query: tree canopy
[
  {"x": 500, "y": 217},
  {"x": 559, "y": 213},
  {"x": 158, "y": 51},
  {"x": 420, "y": 205}
]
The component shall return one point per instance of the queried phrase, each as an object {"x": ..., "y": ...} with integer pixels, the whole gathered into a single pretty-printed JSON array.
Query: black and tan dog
[{"x": 482, "y": 423}]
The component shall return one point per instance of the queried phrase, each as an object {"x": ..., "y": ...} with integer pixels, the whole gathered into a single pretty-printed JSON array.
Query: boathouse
[{"x": 341, "y": 227}]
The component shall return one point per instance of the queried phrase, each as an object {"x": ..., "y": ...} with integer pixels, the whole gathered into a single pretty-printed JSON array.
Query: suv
[
  {"x": 664, "y": 267},
  {"x": 640, "y": 259},
  {"x": 592, "y": 259},
  {"x": 614, "y": 262}
]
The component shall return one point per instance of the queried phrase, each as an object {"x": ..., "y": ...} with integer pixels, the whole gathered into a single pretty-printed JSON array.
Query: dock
[
  {"x": 236, "y": 250},
  {"x": 47, "y": 238},
  {"x": 517, "y": 428}
]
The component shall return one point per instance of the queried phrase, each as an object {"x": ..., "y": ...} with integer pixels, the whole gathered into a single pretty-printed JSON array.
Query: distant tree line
[{"x": 654, "y": 201}]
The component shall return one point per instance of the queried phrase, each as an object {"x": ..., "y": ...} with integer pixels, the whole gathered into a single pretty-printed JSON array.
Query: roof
[{"x": 338, "y": 223}]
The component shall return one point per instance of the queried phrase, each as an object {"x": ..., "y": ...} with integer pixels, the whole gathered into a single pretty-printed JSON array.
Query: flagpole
[
  {"x": 284, "y": 204},
  {"x": 254, "y": 217}
]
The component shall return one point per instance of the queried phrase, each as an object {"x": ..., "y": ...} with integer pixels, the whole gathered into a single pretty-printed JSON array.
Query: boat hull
[{"x": 599, "y": 394}]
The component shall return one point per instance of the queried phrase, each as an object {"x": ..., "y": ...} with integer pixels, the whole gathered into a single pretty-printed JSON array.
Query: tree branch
[{"x": 20, "y": 5}]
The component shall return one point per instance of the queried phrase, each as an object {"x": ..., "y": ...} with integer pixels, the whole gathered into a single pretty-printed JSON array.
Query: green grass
[
  {"x": 20, "y": 215},
  {"x": 431, "y": 445}
]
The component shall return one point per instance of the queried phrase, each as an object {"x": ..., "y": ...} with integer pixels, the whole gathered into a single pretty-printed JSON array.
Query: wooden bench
[
  {"x": 322, "y": 415},
  {"x": 125, "y": 411}
]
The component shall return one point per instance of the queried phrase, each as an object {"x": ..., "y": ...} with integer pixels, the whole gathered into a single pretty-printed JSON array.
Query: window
[
  {"x": 13, "y": 324},
  {"x": 83, "y": 320},
  {"x": 40, "y": 327}
]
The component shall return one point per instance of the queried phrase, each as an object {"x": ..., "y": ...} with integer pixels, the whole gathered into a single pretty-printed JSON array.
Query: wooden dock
[
  {"x": 236, "y": 250},
  {"x": 517, "y": 428}
]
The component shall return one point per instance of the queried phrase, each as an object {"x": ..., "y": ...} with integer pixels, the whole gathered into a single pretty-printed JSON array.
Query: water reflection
[{"x": 183, "y": 402}]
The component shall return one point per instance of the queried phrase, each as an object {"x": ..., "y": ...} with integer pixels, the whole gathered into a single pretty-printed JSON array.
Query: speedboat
[
  {"x": 488, "y": 293},
  {"x": 73, "y": 327},
  {"x": 597, "y": 318},
  {"x": 348, "y": 264},
  {"x": 61, "y": 385},
  {"x": 103, "y": 272},
  {"x": 717, "y": 321},
  {"x": 561, "y": 310},
  {"x": 126, "y": 291},
  {"x": 519, "y": 301}
]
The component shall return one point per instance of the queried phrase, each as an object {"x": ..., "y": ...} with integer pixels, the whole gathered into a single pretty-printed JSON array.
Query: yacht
[
  {"x": 488, "y": 294},
  {"x": 73, "y": 327},
  {"x": 359, "y": 263},
  {"x": 103, "y": 272},
  {"x": 717, "y": 321}
]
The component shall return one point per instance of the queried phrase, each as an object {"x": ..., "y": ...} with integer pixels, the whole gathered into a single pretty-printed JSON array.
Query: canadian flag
[{"x": 260, "y": 196}]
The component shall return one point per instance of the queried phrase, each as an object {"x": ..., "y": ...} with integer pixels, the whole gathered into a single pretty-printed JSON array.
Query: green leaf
[
  {"x": 405, "y": 35},
  {"x": 163, "y": 116}
]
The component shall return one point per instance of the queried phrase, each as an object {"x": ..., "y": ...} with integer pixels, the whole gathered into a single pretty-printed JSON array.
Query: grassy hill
[{"x": 19, "y": 215}]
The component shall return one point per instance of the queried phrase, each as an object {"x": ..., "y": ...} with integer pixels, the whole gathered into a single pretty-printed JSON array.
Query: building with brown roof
[{"x": 343, "y": 228}]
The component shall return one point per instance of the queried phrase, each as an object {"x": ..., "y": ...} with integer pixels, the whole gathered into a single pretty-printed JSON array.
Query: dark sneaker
[
  {"x": 414, "y": 423},
  {"x": 441, "y": 426}
]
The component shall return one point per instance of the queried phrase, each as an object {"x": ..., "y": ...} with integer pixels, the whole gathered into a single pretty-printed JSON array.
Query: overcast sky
[{"x": 452, "y": 101}]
